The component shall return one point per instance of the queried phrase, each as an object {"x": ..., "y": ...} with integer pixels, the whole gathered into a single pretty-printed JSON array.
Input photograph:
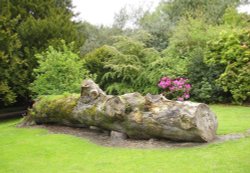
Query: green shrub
[
  {"x": 95, "y": 61},
  {"x": 128, "y": 66},
  {"x": 232, "y": 50},
  {"x": 59, "y": 71},
  {"x": 118, "y": 66}
]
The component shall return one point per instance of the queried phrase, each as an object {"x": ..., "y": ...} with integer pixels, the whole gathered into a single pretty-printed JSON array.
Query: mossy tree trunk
[{"x": 141, "y": 117}]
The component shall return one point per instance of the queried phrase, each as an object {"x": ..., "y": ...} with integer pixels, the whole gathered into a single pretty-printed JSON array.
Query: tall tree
[
  {"x": 162, "y": 22},
  {"x": 12, "y": 74},
  {"x": 40, "y": 23},
  {"x": 96, "y": 36}
]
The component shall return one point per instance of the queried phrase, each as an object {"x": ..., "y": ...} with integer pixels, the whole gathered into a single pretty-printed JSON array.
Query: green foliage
[
  {"x": 180, "y": 29},
  {"x": 128, "y": 45},
  {"x": 170, "y": 41},
  {"x": 121, "y": 18},
  {"x": 123, "y": 70},
  {"x": 159, "y": 26},
  {"x": 189, "y": 44},
  {"x": 59, "y": 71},
  {"x": 122, "y": 67},
  {"x": 27, "y": 28},
  {"x": 96, "y": 36},
  {"x": 156, "y": 69},
  {"x": 38, "y": 33},
  {"x": 13, "y": 76},
  {"x": 234, "y": 19},
  {"x": 202, "y": 77},
  {"x": 50, "y": 22},
  {"x": 142, "y": 36},
  {"x": 163, "y": 21},
  {"x": 212, "y": 10},
  {"x": 232, "y": 50},
  {"x": 7, "y": 95},
  {"x": 95, "y": 61}
]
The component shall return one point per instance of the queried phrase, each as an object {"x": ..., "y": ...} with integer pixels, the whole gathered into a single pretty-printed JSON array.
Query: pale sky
[
  {"x": 100, "y": 12},
  {"x": 245, "y": 8}
]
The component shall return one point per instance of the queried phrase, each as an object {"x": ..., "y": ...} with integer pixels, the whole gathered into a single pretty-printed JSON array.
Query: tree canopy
[
  {"x": 29, "y": 27},
  {"x": 206, "y": 42}
]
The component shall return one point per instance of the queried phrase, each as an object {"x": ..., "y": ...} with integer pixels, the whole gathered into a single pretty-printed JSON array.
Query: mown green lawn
[
  {"x": 232, "y": 119},
  {"x": 37, "y": 151}
]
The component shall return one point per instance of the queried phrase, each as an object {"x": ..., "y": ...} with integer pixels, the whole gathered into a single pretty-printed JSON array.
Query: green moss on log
[{"x": 54, "y": 107}]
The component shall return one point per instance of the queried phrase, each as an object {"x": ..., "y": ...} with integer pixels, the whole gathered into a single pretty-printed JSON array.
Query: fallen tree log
[{"x": 137, "y": 116}]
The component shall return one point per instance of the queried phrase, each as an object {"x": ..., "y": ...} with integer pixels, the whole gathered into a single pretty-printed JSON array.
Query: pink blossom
[
  {"x": 172, "y": 88},
  {"x": 186, "y": 96},
  {"x": 188, "y": 86},
  {"x": 162, "y": 85},
  {"x": 168, "y": 82},
  {"x": 165, "y": 78},
  {"x": 176, "y": 82},
  {"x": 180, "y": 99},
  {"x": 177, "y": 88}
]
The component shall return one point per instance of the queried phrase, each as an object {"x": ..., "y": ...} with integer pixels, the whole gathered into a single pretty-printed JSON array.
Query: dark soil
[
  {"x": 103, "y": 138},
  {"x": 9, "y": 115}
]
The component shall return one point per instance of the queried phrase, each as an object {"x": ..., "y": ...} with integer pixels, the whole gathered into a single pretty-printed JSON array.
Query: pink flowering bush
[{"x": 177, "y": 88}]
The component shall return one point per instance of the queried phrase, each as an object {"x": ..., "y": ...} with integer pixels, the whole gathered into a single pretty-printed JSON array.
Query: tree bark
[{"x": 140, "y": 117}]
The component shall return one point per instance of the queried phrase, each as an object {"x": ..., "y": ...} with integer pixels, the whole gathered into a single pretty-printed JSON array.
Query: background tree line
[{"x": 207, "y": 42}]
